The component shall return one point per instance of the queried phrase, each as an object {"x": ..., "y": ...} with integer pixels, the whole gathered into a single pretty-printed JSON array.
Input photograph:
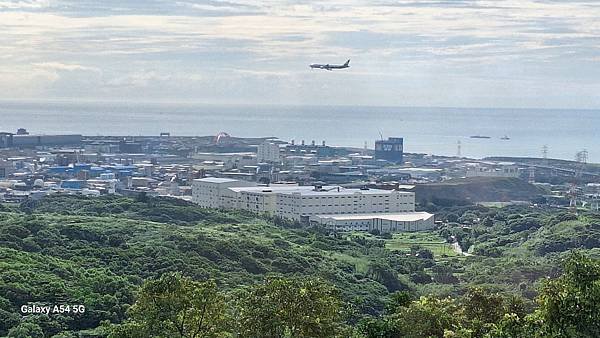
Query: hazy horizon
[{"x": 266, "y": 104}]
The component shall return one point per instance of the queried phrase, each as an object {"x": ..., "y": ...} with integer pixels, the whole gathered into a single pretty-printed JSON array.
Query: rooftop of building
[
  {"x": 215, "y": 180},
  {"x": 278, "y": 189},
  {"x": 332, "y": 190},
  {"x": 398, "y": 217},
  {"x": 343, "y": 191},
  {"x": 225, "y": 154}
]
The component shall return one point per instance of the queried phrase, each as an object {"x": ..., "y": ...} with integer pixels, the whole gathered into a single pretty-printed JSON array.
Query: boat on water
[
  {"x": 505, "y": 138},
  {"x": 479, "y": 136}
]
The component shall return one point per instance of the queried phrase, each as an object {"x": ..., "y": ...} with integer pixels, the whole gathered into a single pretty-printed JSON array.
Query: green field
[
  {"x": 429, "y": 240},
  {"x": 361, "y": 264}
]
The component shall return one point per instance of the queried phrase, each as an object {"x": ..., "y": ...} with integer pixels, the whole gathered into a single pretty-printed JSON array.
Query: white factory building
[
  {"x": 228, "y": 160},
  {"x": 304, "y": 203},
  {"x": 397, "y": 222},
  {"x": 492, "y": 169},
  {"x": 338, "y": 201},
  {"x": 213, "y": 192}
]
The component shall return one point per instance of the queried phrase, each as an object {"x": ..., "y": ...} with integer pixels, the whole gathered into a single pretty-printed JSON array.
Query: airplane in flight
[{"x": 330, "y": 67}]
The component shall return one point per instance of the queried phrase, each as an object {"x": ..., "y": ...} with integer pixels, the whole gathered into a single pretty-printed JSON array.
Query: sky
[{"x": 450, "y": 53}]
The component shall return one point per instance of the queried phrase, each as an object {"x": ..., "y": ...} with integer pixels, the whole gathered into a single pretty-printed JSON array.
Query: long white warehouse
[
  {"x": 400, "y": 222},
  {"x": 301, "y": 203}
]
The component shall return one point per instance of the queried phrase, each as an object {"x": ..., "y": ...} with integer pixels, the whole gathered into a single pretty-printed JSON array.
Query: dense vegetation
[
  {"x": 99, "y": 251},
  {"x": 477, "y": 189}
]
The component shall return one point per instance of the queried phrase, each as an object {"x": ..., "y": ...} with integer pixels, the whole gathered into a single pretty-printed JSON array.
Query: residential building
[{"x": 268, "y": 152}]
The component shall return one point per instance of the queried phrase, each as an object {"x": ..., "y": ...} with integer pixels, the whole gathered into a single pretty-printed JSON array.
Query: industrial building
[
  {"x": 492, "y": 169},
  {"x": 212, "y": 192},
  {"x": 391, "y": 150},
  {"x": 130, "y": 147},
  {"x": 399, "y": 174},
  {"x": 229, "y": 160},
  {"x": 300, "y": 205},
  {"x": 398, "y": 222},
  {"x": 310, "y": 203},
  {"x": 24, "y": 140},
  {"x": 319, "y": 150}
]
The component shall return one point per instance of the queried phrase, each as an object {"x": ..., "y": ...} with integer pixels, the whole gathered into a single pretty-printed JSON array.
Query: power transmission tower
[
  {"x": 581, "y": 158},
  {"x": 545, "y": 154}
]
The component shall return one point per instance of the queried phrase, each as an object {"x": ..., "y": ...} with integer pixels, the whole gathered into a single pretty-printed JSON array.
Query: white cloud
[
  {"x": 64, "y": 67},
  {"x": 252, "y": 41},
  {"x": 138, "y": 79},
  {"x": 24, "y": 4}
]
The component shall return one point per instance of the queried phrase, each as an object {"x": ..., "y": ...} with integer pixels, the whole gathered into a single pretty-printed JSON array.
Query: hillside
[
  {"x": 99, "y": 251},
  {"x": 86, "y": 249},
  {"x": 477, "y": 189}
]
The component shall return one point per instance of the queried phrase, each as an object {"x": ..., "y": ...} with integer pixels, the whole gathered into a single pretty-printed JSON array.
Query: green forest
[{"x": 159, "y": 267}]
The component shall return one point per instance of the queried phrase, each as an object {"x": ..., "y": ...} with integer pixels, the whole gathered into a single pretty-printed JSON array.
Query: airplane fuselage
[{"x": 330, "y": 67}]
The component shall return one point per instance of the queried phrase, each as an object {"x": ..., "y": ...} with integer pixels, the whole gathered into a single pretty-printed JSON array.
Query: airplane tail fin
[{"x": 347, "y": 63}]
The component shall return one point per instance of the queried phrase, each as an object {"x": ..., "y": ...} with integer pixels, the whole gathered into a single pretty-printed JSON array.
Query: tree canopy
[{"x": 167, "y": 268}]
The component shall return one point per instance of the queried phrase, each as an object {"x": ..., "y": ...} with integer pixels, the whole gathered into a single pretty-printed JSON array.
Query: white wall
[
  {"x": 268, "y": 152},
  {"x": 294, "y": 202},
  {"x": 210, "y": 194},
  {"x": 499, "y": 171},
  {"x": 371, "y": 222},
  {"x": 383, "y": 201}
]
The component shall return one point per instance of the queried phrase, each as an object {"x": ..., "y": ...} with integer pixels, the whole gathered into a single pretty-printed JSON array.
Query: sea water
[{"x": 425, "y": 130}]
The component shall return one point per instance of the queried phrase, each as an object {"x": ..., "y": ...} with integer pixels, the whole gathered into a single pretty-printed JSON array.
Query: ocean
[{"x": 425, "y": 130}]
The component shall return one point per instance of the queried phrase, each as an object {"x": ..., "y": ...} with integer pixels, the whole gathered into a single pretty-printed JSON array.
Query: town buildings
[{"x": 308, "y": 183}]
